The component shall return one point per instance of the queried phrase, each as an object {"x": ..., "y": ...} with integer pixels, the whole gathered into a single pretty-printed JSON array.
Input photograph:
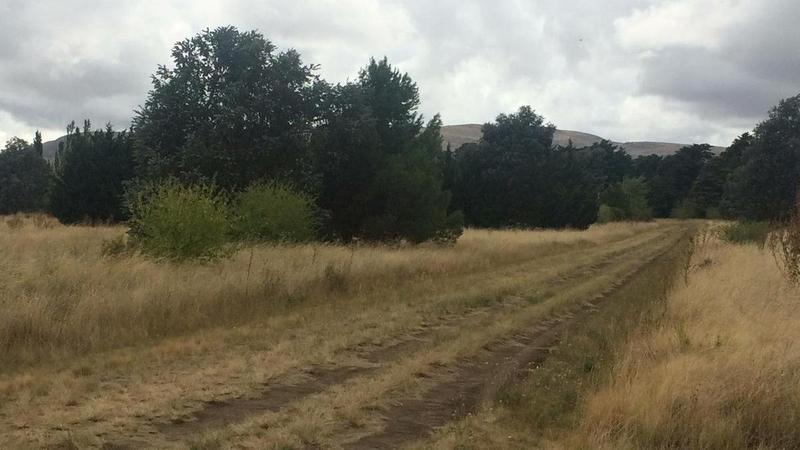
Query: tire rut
[
  {"x": 471, "y": 382},
  {"x": 283, "y": 391}
]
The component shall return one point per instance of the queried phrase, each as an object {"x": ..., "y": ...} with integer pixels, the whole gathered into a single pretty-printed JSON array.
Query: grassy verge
[
  {"x": 745, "y": 233},
  {"x": 720, "y": 369},
  {"x": 549, "y": 401},
  {"x": 713, "y": 364}
]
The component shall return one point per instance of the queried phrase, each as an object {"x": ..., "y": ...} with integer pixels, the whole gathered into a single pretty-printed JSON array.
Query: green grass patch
[{"x": 744, "y": 233}]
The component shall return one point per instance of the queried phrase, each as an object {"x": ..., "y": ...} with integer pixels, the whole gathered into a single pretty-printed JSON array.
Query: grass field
[
  {"x": 708, "y": 361},
  {"x": 296, "y": 346}
]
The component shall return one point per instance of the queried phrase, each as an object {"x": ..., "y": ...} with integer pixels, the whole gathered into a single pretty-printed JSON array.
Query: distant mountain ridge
[
  {"x": 50, "y": 148},
  {"x": 458, "y": 135}
]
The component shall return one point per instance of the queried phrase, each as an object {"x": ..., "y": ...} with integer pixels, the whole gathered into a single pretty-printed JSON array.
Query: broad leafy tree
[
  {"x": 381, "y": 173},
  {"x": 232, "y": 110},
  {"x": 503, "y": 180},
  {"x": 515, "y": 178}
]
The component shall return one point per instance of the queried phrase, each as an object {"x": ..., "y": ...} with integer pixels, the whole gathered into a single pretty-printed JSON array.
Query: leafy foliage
[
  {"x": 24, "y": 178},
  {"x": 674, "y": 177},
  {"x": 231, "y": 110},
  {"x": 235, "y": 113},
  {"x": 179, "y": 222},
  {"x": 274, "y": 213},
  {"x": 91, "y": 172},
  {"x": 626, "y": 200},
  {"x": 381, "y": 175},
  {"x": 764, "y": 186},
  {"x": 514, "y": 177}
]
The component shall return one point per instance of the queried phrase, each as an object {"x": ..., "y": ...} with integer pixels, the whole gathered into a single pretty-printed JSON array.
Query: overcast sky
[{"x": 666, "y": 70}]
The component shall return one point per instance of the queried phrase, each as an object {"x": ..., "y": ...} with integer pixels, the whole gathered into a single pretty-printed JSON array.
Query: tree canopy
[
  {"x": 381, "y": 177},
  {"x": 232, "y": 110},
  {"x": 24, "y": 178},
  {"x": 91, "y": 171}
]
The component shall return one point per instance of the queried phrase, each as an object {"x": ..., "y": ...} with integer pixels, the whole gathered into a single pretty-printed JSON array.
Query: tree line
[{"x": 233, "y": 112}]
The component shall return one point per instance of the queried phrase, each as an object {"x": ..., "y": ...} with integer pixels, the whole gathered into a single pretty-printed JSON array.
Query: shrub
[
  {"x": 452, "y": 229},
  {"x": 626, "y": 200},
  {"x": 745, "y": 233},
  {"x": 173, "y": 221},
  {"x": 274, "y": 212},
  {"x": 608, "y": 214}
]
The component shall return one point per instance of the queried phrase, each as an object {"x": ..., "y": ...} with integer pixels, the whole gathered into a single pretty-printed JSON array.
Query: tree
[
  {"x": 91, "y": 172},
  {"x": 38, "y": 147},
  {"x": 608, "y": 162},
  {"x": 764, "y": 186},
  {"x": 381, "y": 175},
  {"x": 515, "y": 178},
  {"x": 674, "y": 177},
  {"x": 503, "y": 179},
  {"x": 626, "y": 200},
  {"x": 24, "y": 178},
  {"x": 574, "y": 184},
  {"x": 231, "y": 110},
  {"x": 706, "y": 193}
]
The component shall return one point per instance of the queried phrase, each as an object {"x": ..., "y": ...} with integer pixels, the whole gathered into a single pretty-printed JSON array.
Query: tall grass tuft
[{"x": 785, "y": 246}]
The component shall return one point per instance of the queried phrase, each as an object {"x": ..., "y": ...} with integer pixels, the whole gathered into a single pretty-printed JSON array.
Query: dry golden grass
[
  {"x": 98, "y": 349},
  {"x": 721, "y": 369},
  {"x": 59, "y": 297},
  {"x": 714, "y": 364}
]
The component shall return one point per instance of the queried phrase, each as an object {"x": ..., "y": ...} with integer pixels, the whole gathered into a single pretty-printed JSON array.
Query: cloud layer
[{"x": 671, "y": 70}]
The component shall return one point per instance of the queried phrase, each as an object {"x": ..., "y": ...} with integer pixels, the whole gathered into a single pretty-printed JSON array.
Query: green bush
[
  {"x": 452, "y": 229},
  {"x": 745, "y": 233},
  {"x": 607, "y": 214},
  {"x": 626, "y": 200},
  {"x": 274, "y": 212},
  {"x": 178, "y": 222}
]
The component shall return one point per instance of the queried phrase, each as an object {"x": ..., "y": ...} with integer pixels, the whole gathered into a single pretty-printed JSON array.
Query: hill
[
  {"x": 458, "y": 135},
  {"x": 50, "y": 148}
]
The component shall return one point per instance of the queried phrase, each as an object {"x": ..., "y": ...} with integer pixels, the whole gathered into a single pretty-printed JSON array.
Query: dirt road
[{"x": 385, "y": 388}]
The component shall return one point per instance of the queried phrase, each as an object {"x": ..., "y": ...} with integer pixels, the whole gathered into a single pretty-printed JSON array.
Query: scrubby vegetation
[
  {"x": 745, "y": 232},
  {"x": 784, "y": 242},
  {"x": 273, "y": 213},
  {"x": 174, "y": 221}
]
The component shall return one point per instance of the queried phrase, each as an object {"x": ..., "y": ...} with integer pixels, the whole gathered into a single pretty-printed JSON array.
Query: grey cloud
[
  {"x": 472, "y": 59},
  {"x": 756, "y": 64}
]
